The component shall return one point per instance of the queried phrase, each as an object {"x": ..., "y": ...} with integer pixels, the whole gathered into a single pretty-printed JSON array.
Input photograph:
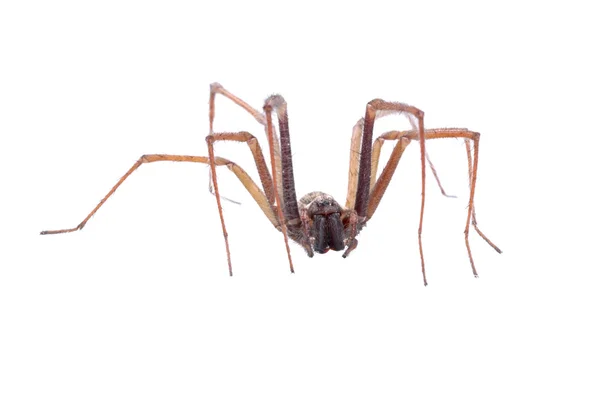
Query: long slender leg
[
  {"x": 380, "y": 186},
  {"x": 268, "y": 184},
  {"x": 211, "y": 190},
  {"x": 451, "y": 133},
  {"x": 378, "y": 144},
  {"x": 216, "y": 88},
  {"x": 257, "y": 154},
  {"x": 474, "y": 220},
  {"x": 290, "y": 201},
  {"x": 437, "y": 179},
  {"x": 297, "y": 225},
  {"x": 290, "y": 204},
  {"x": 364, "y": 177},
  {"x": 213, "y": 171},
  {"x": 375, "y": 109},
  {"x": 467, "y": 135},
  {"x": 355, "y": 144},
  {"x": 472, "y": 181},
  {"x": 354, "y": 163},
  {"x": 248, "y": 183}
]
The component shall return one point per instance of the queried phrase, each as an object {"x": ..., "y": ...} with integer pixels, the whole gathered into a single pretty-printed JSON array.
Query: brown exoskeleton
[{"x": 317, "y": 222}]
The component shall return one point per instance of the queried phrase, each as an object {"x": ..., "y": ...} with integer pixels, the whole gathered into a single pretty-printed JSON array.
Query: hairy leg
[
  {"x": 288, "y": 203},
  {"x": 378, "y": 144},
  {"x": 474, "y": 220},
  {"x": 355, "y": 142},
  {"x": 257, "y": 154},
  {"x": 217, "y": 88},
  {"x": 473, "y": 163},
  {"x": 248, "y": 183},
  {"x": 377, "y": 108}
]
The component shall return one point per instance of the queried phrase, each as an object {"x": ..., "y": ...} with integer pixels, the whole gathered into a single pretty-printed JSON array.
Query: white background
[{"x": 139, "y": 303}]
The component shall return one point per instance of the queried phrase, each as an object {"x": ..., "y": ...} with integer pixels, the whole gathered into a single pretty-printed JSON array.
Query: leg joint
[{"x": 215, "y": 87}]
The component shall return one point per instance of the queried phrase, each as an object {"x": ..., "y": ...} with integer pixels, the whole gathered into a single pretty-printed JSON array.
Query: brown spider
[{"x": 317, "y": 222}]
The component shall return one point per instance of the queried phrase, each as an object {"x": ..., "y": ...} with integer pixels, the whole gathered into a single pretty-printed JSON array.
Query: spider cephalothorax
[
  {"x": 324, "y": 216},
  {"x": 317, "y": 222}
]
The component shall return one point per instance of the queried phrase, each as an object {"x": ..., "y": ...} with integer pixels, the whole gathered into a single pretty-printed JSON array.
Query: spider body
[
  {"x": 317, "y": 222},
  {"x": 327, "y": 223}
]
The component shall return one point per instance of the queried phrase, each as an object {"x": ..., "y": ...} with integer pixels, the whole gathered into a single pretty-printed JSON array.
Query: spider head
[{"x": 326, "y": 227}]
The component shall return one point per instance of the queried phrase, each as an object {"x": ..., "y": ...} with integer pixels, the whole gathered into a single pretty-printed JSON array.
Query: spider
[{"x": 317, "y": 222}]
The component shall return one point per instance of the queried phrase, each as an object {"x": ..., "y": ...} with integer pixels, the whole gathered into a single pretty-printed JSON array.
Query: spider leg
[
  {"x": 375, "y": 109},
  {"x": 355, "y": 158},
  {"x": 355, "y": 142},
  {"x": 217, "y": 88},
  {"x": 437, "y": 179},
  {"x": 474, "y": 220},
  {"x": 289, "y": 200},
  {"x": 257, "y": 154},
  {"x": 248, "y": 183},
  {"x": 378, "y": 144},
  {"x": 378, "y": 108},
  {"x": 473, "y": 162},
  {"x": 380, "y": 185},
  {"x": 211, "y": 190},
  {"x": 377, "y": 192}
]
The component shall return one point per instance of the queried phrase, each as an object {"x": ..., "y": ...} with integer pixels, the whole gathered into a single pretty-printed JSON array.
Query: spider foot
[{"x": 351, "y": 246}]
